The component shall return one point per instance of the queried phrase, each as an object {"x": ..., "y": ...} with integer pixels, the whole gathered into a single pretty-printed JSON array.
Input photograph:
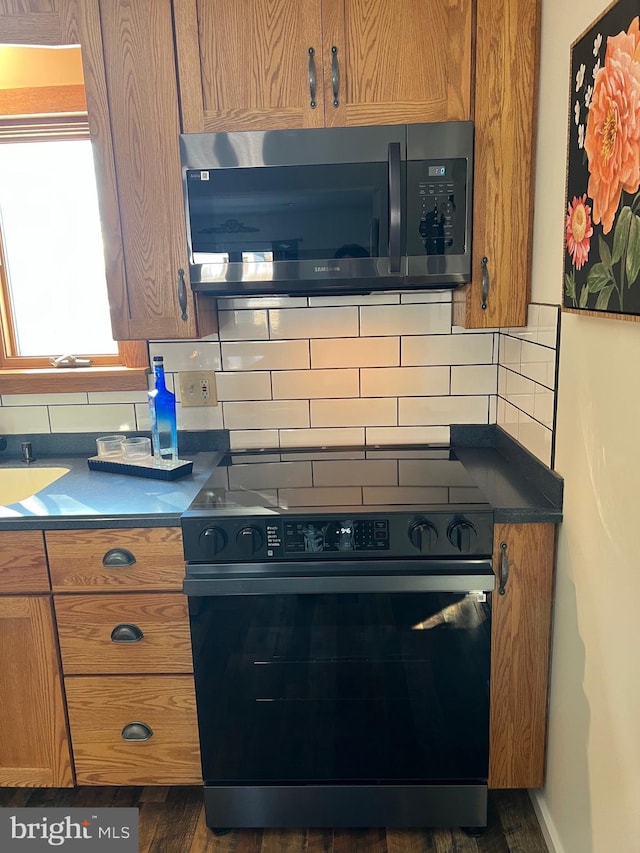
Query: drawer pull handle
[
  {"x": 118, "y": 558},
  {"x": 126, "y": 633},
  {"x": 137, "y": 731}
]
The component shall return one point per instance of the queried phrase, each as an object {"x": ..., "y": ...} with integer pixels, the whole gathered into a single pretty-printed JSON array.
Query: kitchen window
[{"x": 53, "y": 292}]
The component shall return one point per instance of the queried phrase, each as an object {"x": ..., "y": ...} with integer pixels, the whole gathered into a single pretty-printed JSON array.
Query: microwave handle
[{"x": 394, "y": 207}]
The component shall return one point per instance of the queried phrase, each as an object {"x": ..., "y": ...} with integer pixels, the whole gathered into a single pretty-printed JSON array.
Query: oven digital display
[{"x": 308, "y": 536}]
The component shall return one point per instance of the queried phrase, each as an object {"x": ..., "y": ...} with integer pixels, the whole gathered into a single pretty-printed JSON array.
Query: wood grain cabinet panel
[
  {"x": 507, "y": 48},
  {"x": 98, "y": 633},
  {"x": 373, "y": 62},
  {"x": 101, "y": 709},
  {"x": 34, "y": 749},
  {"x": 23, "y": 562},
  {"x": 116, "y": 558},
  {"x": 521, "y": 639}
]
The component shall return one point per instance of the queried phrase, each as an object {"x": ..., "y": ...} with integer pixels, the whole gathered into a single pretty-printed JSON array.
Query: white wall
[{"x": 591, "y": 802}]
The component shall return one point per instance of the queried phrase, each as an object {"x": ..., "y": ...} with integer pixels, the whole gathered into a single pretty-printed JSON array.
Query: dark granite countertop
[
  {"x": 519, "y": 488},
  {"x": 83, "y": 498}
]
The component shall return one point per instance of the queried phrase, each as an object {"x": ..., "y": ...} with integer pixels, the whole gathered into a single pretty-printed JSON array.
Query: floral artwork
[{"x": 602, "y": 212}]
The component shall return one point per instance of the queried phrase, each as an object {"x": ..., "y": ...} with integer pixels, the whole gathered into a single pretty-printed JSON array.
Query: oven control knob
[
  {"x": 249, "y": 540},
  {"x": 213, "y": 540},
  {"x": 423, "y": 535},
  {"x": 462, "y": 534}
]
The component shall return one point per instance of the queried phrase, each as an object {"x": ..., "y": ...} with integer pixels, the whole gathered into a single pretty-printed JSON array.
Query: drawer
[
  {"x": 86, "y": 624},
  {"x": 23, "y": 563},
  {"x": 116, "y": 558},
  {"x": 101, "y": 707}
]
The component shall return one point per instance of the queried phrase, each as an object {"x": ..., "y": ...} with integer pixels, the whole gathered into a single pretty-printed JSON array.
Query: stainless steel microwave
[{"x": 329, "y": 210}]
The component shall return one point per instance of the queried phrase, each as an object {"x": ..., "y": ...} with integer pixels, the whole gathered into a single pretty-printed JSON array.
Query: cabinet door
[
  {"x": 69, "y": 22},
  {"x": 506, "y": 82},
  {"x": 394, "y": 62},
  {"x": 247, "y": 65},
  {"x": 143, "y": 103},
  {"x": 520, "y": 645},
  {"x": 34, "y": 749}
]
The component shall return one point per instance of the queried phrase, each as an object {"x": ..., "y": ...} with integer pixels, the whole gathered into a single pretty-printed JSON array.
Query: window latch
[{"x": 70, "y": 361}]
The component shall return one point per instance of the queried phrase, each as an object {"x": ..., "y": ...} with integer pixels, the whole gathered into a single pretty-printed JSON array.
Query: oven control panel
[{"x": 402, "y": 535}]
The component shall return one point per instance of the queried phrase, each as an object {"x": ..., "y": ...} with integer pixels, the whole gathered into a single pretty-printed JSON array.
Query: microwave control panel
[{"x": 436, "y": 207}]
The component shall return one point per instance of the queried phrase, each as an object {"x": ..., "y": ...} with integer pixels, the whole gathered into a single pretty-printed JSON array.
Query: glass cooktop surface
[{"x": 369, "y": 479}]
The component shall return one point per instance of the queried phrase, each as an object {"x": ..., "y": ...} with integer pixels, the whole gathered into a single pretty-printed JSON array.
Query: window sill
[{"x": 59, "y": 380}]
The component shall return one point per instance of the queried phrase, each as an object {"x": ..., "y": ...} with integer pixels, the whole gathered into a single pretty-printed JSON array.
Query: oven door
[{"x": 342, "y": 674}]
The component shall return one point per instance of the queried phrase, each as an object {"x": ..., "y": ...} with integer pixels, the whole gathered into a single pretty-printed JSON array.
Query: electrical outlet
[{"x": 198, "y": 388}]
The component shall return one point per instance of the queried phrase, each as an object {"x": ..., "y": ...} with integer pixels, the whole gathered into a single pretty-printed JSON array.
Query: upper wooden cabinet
[
  {"x": 132, "y": 106},
  {"x": 505, "y": 111},
  {"x": 313, "y": 63}
]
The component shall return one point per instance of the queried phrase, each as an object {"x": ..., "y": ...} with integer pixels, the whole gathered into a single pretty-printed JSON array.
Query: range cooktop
[
  {"x": 369, "y": 479},
  {"x": 330, "y": 502}
]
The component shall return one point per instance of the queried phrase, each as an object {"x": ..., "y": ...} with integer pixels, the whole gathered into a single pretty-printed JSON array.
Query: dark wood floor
[{"x": 172, "y": 821}]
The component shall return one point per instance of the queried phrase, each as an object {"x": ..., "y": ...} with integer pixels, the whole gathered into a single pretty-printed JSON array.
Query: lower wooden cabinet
[
  {"x": 34, "y": 750},
  {"x": 134, "y": 730},
  {"x": 523, "y": 561}
]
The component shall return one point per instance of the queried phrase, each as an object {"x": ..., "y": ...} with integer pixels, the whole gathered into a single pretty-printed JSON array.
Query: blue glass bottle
[{"x": 162, "y": 414}]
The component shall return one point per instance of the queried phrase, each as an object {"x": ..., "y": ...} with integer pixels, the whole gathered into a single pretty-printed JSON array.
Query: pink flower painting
[{"x": 602, "y": 221}]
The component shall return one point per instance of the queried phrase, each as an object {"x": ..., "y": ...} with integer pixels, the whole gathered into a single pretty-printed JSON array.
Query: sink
[{"x": 16, "y": 484}]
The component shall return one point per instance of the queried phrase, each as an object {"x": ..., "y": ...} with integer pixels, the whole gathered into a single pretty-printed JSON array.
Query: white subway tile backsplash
[
  {"x": 294, "y": 323},
  {"x": 266, "y": 414},
  {"x": 228, "y": 303},
  {"x": 15, "y": 420},
  {"x": 308, "y": 384},
  {"x": 329, "y": 437},
  {"x": 415, "y": 319},
  {"x": 474, "y": 379},
  {"x": 265, "y": 355},
  {"x": 448, "y": 349},
  {"x": 199, "y": 417},
  {"x": 408, "y": 435},
  {"x": 443, "y": 410},
  {"x": 77, "y": 398},
  {"x": 362, "y": 299},
  {"x": 114, "y": 397},
  {"x": 543, "y": 405},
  {"x": 115, "y": 417},
  {"x": 538, "y": 363},
  {"x": 360, "y": 412},
  {"x": 249, "y": 439},
  {"x": 535, "y": 437},
  {"x": 426, "y": 296},
  {"x": 253, "y": 385},
  {"x": 356, "y": 352},
  {"x": 510, "y": 352},
  {"x": 187, "y": 355},
  {"x": 548, "y": 325},
  {"x": 243, "y": 325},
  {"x": 404, "y": 381}
]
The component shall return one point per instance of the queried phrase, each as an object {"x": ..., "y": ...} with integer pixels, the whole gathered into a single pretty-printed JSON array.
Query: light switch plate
[{"x": 198, "y": 388}]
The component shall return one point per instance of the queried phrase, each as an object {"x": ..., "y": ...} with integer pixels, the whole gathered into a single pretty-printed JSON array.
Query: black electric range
[
  {"x": 338, "y": 503},
  {"x": 340, "y": 614}
]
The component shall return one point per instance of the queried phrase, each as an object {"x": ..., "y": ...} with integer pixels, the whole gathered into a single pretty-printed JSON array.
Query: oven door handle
[{"x": 338, "y": 577}]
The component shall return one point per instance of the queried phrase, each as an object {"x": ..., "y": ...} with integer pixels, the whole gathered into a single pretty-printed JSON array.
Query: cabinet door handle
[
  {"x": 136, "y": 731},
  {"x": 118, "y": 558},
  {"x": 126, "y": 633},
  {"x": 312, "y": 78},
  {"x": 335, "y": 75},
  {"x": 504, "y": 569},
  {"x": 182, "y": 293},
  {"x": 485, "y": 283}
]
